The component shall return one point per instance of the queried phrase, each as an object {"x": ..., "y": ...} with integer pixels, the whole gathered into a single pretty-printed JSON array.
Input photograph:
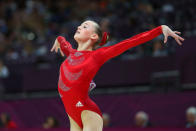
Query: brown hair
[{"x": 99, "y": 32}]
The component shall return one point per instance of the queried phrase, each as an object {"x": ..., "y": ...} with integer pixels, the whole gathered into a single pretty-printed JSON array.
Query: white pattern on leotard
[
  {"x": 71, "y": 76},
  {"x": 74, "y": 62},
  {"x": 78, "y": 54},
  {"x": 62, "y": 85}
]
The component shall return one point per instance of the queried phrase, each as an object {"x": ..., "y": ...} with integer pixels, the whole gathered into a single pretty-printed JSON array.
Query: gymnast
[{"x": 82, "y": 64}]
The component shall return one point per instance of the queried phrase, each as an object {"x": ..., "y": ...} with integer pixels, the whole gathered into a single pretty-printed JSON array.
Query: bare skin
[
  {"x": 91, "y": 121},
  {"x": 85, "y": 36},
  {"x": 73, "y": 125}
]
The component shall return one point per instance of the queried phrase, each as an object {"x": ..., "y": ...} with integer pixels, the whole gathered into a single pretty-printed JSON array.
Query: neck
[{"x": 85, "y": 46}]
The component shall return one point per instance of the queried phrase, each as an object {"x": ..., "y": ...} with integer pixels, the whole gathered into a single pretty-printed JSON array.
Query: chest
[
  {"x": 77, "y": 64},
  {"x": 77, "y": 61}
]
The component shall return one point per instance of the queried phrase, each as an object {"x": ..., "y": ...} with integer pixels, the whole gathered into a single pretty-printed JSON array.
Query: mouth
[{"x": 77, "y": 32}]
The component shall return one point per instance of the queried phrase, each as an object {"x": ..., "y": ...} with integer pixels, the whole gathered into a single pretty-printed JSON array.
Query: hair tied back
[{"x": 104, "y": 39}]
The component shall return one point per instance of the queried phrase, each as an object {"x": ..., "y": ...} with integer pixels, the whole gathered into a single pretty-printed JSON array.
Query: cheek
[{"x": 86, "y": 33}]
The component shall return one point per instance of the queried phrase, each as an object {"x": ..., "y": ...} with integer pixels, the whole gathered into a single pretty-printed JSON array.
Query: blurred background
[{"x": 150, "y": 86}]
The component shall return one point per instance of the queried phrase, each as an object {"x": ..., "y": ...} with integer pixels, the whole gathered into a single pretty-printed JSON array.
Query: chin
[{"x": 76, "y": 38}]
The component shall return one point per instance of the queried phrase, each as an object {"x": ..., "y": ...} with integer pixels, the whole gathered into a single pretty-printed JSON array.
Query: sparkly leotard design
[{"x": 80, "y": 67}]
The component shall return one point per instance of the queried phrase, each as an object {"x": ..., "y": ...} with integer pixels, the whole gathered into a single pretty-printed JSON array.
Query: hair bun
[{"x": 104, "y": 39}]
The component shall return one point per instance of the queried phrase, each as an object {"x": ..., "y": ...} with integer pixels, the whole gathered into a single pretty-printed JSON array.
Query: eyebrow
[{"x": 86, "y": 23}]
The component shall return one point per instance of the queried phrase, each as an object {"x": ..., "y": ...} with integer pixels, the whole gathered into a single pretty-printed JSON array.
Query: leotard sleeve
[
  {"x": 105, "y": 53},
  {"x": 65, "y": 45}
]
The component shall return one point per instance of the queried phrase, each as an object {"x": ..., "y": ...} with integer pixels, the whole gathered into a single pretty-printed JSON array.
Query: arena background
[{"x": 158, "y": 79}]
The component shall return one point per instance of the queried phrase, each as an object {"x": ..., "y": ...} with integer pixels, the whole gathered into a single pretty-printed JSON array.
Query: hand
[
  {"x": 56, "y": 47},
  {"x": 175, "y": 34}
]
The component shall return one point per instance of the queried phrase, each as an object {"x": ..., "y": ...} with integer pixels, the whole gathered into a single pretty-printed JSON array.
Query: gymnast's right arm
[{"x": 64, "y": 46}]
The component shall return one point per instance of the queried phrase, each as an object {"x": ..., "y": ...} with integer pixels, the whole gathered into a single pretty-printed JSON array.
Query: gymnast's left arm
[{"x": 106, "y": 53}]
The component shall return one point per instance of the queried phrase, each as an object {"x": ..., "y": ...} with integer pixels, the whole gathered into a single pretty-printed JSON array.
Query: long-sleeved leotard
[{"x": 80, "y": 67}]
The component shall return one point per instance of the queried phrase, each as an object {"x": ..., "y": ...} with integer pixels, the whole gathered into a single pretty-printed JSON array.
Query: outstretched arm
[
  {"x": 62, "y": 45},
  {"x": 105, "y": 53}
]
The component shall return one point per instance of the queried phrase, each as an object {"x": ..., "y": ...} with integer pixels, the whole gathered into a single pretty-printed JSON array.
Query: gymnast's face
[{"x": 85, "y": 32}]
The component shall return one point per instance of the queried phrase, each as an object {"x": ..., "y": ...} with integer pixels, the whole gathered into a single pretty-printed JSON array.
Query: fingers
[
  {"x": 182, "y": 39},
  {"x": 178, "y": 41},
  {"x": 53, "y": 47},
  {"x": 175, "y": 36},
  {"x": 56, "y": 49},
  {"x": 165, "y": 39},
  {"x": 62, "y": 52},
  {"x": 177, "y": 32}
]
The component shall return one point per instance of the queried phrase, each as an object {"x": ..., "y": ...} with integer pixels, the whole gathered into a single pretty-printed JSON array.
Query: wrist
[{"x": 60, "y": 39}]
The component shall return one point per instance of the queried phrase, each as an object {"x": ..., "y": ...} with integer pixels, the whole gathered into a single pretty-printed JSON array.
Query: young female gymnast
[{"x": 81, "y": 65}]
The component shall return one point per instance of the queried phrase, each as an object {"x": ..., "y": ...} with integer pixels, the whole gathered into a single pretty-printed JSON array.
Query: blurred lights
[{"x": 30, "y": 36}]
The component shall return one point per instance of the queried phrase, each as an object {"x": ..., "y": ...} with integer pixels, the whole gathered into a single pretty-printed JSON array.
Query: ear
[{"x": 94, "y": 36}]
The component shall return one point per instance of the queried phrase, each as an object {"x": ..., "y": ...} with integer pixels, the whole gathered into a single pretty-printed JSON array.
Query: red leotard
[{"x": 80, "y": 67}]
